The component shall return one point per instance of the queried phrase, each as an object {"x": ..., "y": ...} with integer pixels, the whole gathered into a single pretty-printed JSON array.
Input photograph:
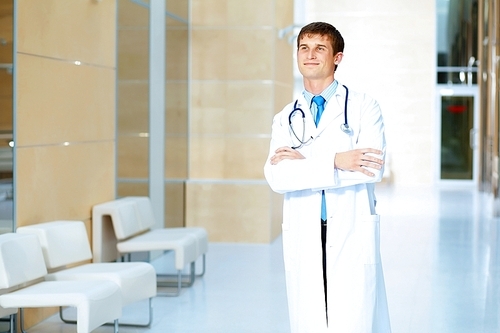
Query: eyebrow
[{"x": 316, "y": 45}]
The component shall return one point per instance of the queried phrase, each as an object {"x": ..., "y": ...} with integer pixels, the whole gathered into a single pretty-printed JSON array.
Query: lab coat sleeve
[
  {"x": 370, "y": 135},
  {"x": 314, "y": 172}
]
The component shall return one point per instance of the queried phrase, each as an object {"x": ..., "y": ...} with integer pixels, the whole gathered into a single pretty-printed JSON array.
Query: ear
[{"x": 338, "y": 58}]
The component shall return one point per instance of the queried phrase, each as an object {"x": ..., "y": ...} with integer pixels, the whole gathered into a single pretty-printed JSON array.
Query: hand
[
  {"x": 285, "y": 153},
  {"x": 359, "y": 160}
]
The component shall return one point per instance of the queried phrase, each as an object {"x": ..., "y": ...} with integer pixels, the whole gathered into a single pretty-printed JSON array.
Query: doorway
[{"x": 458, "y": 121}]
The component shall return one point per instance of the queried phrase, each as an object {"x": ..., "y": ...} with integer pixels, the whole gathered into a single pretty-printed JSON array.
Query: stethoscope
[{"x": 344, "y": 127}]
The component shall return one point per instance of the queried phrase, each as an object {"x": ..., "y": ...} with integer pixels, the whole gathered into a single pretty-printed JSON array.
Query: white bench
[
  {"x": 22, "y": 263},
  {"x": 132, "y": 237},
  {"x": 65, "y": 243}
]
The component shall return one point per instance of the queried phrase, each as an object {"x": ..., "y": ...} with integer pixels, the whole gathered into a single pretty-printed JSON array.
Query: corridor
[{"x": 440, "y": 256}]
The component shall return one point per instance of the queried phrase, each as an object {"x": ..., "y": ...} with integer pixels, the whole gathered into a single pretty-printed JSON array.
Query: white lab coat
[{"x": 356, "y": 292}]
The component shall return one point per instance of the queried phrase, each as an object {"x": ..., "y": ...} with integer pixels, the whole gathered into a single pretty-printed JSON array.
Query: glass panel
[
  {"x": 457, "y": 31},
  {"x": 456, "y": 124},
  {"x": 176, "y": 108},
  {"x": 133, "y": 102},
  {"x": 6, "y": 105},
  {"x": 486, "y": 158},
  {"x": 176, "y": 94},
  {"x": 457, "y": 76},
  {"x": 133, "y": 98}
]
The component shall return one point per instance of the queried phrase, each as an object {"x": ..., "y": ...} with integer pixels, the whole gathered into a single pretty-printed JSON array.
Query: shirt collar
[{"x": 327, "y": 93}]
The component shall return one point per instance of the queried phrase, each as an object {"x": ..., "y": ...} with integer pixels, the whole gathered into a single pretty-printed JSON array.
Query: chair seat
[
  {"x": 200, "y": 235},
  {"x": 184, "y": 246},
  {"x": 144, "y": 210},
  {"x": 4, "y": 312},
  {"x": 96, "y": 301},
  {"x": 137, "y": 280}
]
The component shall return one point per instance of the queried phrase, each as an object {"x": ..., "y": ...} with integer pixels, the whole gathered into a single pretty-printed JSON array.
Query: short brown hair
[{"x": 323, "y": 29}]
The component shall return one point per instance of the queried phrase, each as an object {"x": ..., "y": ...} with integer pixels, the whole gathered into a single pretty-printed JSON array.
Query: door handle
[{"x": 472, "y": 138}]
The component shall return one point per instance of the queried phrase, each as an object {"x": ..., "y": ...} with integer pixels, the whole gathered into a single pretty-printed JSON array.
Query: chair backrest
[
  {"x": 124, "y": 217},
  {"x": 144, "y": 211},
  {"x": 21, "y": 259},
  {"x": 63, "y": 242}
]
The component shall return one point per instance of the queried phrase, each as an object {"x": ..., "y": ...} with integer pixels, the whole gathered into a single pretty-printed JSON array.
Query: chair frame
[
  {"x": 180, "y": 279},
  {"x": 21, "y": 322},
  {"x": 147, "y": 325},
  {"x": 12, "y": 323}
]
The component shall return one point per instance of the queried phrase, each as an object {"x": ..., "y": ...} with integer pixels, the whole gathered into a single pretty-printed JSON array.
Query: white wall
[{"x": 390, "y": 54}]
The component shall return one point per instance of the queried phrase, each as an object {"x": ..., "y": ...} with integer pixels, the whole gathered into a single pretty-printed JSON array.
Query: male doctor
[{"x": 327, "y": 170}]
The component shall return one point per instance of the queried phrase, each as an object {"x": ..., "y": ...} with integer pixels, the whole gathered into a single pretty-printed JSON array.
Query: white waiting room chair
[
  {"x": 132, "y": 237},
  {"x": 22, "y": 265},
  {"x": 147, "y": 221},
  {"x": 66, "y": 243}
]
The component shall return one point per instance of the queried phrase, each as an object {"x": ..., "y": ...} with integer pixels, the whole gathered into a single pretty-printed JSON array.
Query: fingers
[
  {"x": 360, "y": 160},
  {"x": 284, "y": 150},
  {"x": 366, "y": 172},
  {"x": 371, "y": 162},
  {"x": 370, "y": 150},
  {"x": 284, "y": 153},
  {"x": 367, "y": 154}
]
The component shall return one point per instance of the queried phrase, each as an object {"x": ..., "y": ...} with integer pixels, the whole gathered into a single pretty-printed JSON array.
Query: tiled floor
[{"x": 441, "y": 261}]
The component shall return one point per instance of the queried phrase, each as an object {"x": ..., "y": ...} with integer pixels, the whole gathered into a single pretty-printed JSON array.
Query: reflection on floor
[{"x": 441, "y": 261}]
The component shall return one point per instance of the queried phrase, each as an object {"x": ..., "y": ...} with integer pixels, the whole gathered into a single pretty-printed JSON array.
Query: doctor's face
[{"x": 316, "y": 58}]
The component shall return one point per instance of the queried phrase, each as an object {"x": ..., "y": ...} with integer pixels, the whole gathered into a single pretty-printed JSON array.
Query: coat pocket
[{"x": 369, "y": 237}]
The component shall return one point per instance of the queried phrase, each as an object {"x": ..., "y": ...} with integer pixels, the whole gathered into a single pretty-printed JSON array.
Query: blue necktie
[{"x": 320, "y": 102}]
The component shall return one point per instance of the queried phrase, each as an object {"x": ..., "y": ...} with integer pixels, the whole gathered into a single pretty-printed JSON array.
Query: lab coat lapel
[
  {"x": 334, "y": 108},
  {"x": 310, "y": 126}
]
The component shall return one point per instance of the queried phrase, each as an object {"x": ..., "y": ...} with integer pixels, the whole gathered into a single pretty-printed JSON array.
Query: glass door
[{"x": 458, "y": 148}]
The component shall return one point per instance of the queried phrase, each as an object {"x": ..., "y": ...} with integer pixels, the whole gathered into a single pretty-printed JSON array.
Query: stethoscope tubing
[{"x": 344, "y": 127}]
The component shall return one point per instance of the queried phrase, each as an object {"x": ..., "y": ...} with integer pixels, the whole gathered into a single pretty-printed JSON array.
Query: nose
[{"x": 311, "y": 54}]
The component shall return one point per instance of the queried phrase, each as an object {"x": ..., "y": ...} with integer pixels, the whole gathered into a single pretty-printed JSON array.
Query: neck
[{"x": 316, "y": 87}]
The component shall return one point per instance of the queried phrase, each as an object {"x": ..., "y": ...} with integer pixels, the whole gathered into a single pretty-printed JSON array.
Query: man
[{"x": 327, "y": 151}]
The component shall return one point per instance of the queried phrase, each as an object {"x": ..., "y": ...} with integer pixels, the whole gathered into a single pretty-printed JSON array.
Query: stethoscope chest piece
[{"x": 345, "y": 128}]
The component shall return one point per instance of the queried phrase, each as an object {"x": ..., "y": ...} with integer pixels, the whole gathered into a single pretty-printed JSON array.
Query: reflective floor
[{"x": 440, "y": 253}]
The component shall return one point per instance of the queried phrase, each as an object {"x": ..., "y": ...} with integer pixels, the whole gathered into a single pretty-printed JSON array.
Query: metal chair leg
[
  {"x": 21, "y": 320},
  {"x": 203, "y": 267},
  {"x": 179, "y": 286},
  {"x": 179, "y": 281},
  {"x": 186, "y": 280},
  {"x": 12, "y": 323},
  {"x": 147, "y": 325}
]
